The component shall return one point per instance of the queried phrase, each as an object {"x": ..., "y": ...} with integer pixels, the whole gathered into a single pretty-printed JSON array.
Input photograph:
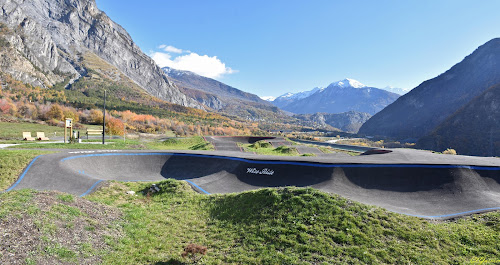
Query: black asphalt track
[
  {"x": 230, "y": 143},
  {"x": 406, "y": 181}
]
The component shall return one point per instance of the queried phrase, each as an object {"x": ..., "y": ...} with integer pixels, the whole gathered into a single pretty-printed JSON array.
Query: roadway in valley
[{"x": 411, "y": 182}]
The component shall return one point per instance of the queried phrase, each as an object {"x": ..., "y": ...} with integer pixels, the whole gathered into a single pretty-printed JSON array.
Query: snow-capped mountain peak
[
  {"x": 300, "y": 95},
  {"x": 397, "y": 90},
  {"x": 348, "y": 83},
  {"x": 268, "y": 98}
]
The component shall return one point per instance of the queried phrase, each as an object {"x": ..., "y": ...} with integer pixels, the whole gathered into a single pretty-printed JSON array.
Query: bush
[
  {"x": 71, "y": 114},
  {"x": 95, "y": 117},
  {"x": 114, "y": 126},
  {"x": 261, "y": 144},
  {"x": 286, "y": 150},
  {"x": 450, "y": 151},
  {"x": 55, "y": 113}
]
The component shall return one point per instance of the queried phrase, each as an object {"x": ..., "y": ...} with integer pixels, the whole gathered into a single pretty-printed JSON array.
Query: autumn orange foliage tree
[{"x": 114, "y": 126}]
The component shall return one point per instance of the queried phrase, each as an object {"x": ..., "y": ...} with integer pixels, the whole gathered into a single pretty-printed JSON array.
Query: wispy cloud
[
  {"x": 169, "y": 48},
  {"x": 204, "y": 65}
]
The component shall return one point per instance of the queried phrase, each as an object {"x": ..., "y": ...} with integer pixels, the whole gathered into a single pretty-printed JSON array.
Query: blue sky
[{"x": 272, "y": 47}]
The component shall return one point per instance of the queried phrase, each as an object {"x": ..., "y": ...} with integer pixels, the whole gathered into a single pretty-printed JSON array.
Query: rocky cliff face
[
  {"x": 421, "y": 110},
  {"x": 53, "y": 34}
]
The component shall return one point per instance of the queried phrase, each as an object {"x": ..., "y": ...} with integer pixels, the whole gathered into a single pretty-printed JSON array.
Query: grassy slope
[
  {"x": 191, "y": 143},
  {"x": 266, "y": 226},
  {"x": 110, "y": 144},
  {"x": 12, "y": 130},
  {"x": 286, "y": 226},
  {"x": 12, "y": 163},
  {"x": 265, "y": 148}
]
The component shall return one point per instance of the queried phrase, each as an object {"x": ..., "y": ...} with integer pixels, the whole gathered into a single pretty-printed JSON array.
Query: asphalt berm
[{"x": 406, "y": 181}]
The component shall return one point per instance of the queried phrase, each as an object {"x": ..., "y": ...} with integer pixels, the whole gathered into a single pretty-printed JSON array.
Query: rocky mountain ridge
[
  {"x": 53, "y": 35},
  {"x": 424, "y": 108},
  {"x": 221, "y": 97},
  {"x": 289, "y": 97}
]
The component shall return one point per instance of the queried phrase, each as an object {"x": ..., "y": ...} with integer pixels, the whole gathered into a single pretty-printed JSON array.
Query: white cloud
[
  {"x": 169, "y": 48},
  {"x": 203, "y": 65}
]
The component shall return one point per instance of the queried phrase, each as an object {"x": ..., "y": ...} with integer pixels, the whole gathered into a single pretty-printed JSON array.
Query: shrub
[
  {"x": 71, "y": 114},
  {"x": 261, "y": 144},
  {"x": 95, "y": 117},
  {"x": 286, "y": 150},
  {"x": 114, "y": 126},
  {"x": 55, "y": 113},
  {"x": 450, "y": 151}
]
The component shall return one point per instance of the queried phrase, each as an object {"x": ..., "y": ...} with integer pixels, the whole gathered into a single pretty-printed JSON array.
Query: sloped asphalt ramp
[
  {"x": 405, "y": 181},
  {"x": 230, "y": 143}
]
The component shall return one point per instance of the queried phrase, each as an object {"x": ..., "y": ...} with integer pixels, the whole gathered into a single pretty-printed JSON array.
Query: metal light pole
[{"x": 104, "y": 119}]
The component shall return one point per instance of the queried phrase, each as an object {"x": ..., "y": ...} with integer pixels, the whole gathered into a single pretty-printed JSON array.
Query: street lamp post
[{"x": 104, "y": 119}]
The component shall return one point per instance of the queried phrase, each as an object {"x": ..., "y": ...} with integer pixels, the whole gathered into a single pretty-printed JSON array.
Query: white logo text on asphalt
[{"x": 265, "y": 171}]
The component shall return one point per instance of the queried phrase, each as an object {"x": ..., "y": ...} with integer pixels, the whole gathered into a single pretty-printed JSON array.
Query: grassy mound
[
  {"x": 265, "y": 148},
  {"x": 286, "y": 150},
  {"x": 286, "y": 226},
  {"x": 191, "y": 143},
  {"x": 261, "y": 144}
]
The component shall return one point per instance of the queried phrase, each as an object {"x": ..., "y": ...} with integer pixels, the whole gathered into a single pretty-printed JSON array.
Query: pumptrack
[{"x": 410, "y": 182}]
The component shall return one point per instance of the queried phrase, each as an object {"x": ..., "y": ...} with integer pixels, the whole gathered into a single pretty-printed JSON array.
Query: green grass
[
  {"x": 110, "y": 144},
  {"x": 265, "y": 226},
  {"x": 14, "y": 131},
  {"x": 286, "y": 226},
  {"x": 264, "y": 149},
  {"x": 50, "y": 226},
  {"x": 191, "y": 143},
  {"x": 12, "y": 163}
]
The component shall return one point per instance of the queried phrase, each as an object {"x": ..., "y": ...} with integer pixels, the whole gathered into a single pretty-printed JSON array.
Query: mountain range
[
  {"x": 341, "y": 96},
  {"x": 50, "y": 37},
  {"x": 49, "y": 42},
  {"x": 221, "y": 97},
  {"x": 288, "y": 98},
  {"x": 423, "y": 109},
  {"x": 458, "y": 109}
]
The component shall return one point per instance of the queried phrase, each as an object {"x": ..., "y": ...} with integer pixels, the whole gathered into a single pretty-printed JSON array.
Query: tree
[
  {"x": 114, "y": 126},
  {"x": 95, "y": 117},
  {"x": 71, "y": 114},
  {"x": 55, "y": 113}
]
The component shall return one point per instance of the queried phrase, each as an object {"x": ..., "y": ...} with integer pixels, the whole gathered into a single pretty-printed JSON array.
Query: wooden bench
[
  {"x": 97, "y": 132},
  {"x": 41, "y": 136},
  {"x": 27, "y": 136}
]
